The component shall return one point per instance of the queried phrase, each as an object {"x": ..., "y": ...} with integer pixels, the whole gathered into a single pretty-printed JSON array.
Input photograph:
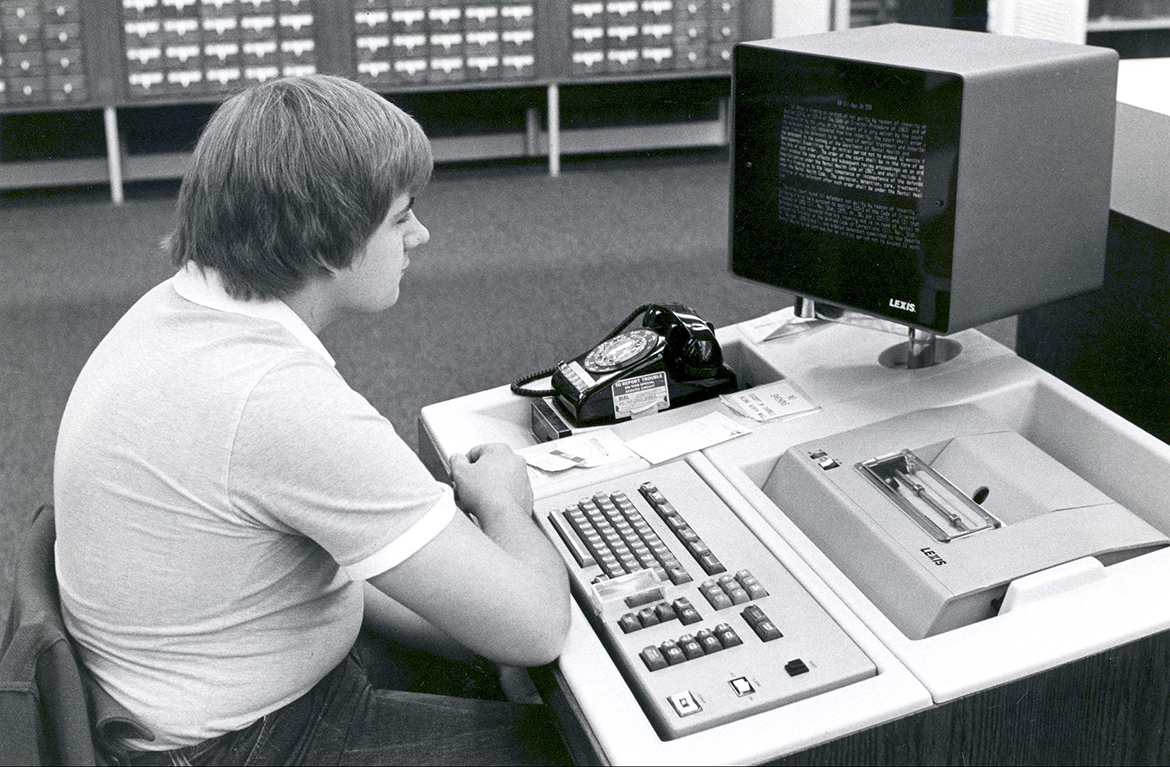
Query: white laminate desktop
[{"x": 1051, "y": 618}]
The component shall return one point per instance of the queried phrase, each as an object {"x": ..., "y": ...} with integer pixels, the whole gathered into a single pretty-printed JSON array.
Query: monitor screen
[{"x": 844, "y": 181}]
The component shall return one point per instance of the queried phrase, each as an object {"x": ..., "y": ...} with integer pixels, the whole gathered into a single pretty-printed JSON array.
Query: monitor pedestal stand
[{"x": 923, "y": 349}]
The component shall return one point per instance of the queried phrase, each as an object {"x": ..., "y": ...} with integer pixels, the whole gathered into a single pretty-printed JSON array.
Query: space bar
[{"x": 576, "y": 546}]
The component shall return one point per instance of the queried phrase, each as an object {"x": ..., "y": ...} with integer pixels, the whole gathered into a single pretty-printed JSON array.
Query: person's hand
[{"x": 491, "y": 479}]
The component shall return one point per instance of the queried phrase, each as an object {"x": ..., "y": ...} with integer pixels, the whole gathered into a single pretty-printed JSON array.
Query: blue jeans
[{"x": 350, "y": 717}]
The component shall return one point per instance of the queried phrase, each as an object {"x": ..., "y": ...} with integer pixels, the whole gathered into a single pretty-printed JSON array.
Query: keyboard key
[
  {"x": 795, "y": 667},
  {"x": 581, "y": 553},
  {"x": 767, "y": 631},
  {"x": 672, "y": 652},
  {"x": 738, "y": 596},
  {"x": 711, "y": 564},
  {"x": 678, "y": 575},
  {"x": 691, "y": 648},
  {"x": 727, "y": 636},
  {"x": 664, "y": 612},
  {"x": 753, "y": 614},
  {"x": 644, "y": 597},
  {"x": 718, "y": 599},
  {"x": 756, "y": 591},
  {"x": 647, "y": 617},
  {"x": 629, "y": 623},
  {"x": 709, "y": 641},
  {"x": 653, "y": 659},
  {"x": 686, "y": 612}
]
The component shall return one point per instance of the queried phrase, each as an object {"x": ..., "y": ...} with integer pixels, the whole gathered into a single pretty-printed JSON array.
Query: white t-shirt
[{"x": 220, "y": 493}]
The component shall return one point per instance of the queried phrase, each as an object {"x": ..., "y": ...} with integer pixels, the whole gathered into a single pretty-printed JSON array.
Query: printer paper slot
[{"x": 927, "y": 497}]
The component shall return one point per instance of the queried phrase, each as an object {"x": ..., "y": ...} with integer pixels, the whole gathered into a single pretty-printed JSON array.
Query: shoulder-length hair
[{"x": 292, "y": 177}]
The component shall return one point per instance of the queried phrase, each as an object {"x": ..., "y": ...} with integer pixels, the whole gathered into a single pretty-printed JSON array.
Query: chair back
[{"x": 44, "y": 718}]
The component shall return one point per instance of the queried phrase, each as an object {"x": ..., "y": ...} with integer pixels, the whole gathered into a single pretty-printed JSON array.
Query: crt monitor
[{"x": 934, "y": 177}]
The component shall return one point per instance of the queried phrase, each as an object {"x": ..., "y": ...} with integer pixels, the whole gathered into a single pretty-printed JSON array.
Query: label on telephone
[{"x": 635, "y": 396}]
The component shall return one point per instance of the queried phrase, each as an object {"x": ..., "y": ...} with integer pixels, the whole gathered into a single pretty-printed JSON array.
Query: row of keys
[
  {"x": 690, "y": 539},
  {"x": 681, "y": 608},
  {"x": 609, "y": 531},
  {"x": 689, "y": 647},
  {"x": 731, "y": 590}
]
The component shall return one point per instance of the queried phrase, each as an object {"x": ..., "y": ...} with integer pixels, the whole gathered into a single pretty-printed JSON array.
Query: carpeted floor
[{"x": 521, "y": 270}]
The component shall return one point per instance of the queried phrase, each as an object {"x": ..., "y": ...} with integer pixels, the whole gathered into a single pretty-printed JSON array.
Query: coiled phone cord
[{"x": 518, "y": 384}]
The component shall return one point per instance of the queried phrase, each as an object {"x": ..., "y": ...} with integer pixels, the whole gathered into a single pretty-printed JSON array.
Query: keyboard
[{"x": 704, "y": 623}]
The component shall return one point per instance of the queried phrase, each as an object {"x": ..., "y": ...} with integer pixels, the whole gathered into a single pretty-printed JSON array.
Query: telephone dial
[{"x": 672, "y": 359}]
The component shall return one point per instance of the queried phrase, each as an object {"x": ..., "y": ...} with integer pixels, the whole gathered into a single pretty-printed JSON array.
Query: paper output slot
[{"x": 927, "y": 497}]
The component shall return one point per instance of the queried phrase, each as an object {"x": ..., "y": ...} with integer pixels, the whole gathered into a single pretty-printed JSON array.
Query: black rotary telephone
[{"x": 673, "y": 359}]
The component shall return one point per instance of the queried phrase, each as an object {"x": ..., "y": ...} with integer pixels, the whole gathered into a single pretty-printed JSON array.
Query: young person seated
[{"x": 228, "y": 509}]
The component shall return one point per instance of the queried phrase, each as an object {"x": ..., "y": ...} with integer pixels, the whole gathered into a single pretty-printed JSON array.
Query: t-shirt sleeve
[{"x": 313, "y": 457}]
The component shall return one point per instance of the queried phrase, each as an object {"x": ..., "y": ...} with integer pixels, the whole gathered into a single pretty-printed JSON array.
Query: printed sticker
[{"x": 640, "y": 395}]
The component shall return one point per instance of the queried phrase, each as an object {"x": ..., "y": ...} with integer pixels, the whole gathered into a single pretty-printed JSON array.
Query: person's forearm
[
  {"x": 392, "y": 620},
  {"x": 519, "y": 535}
]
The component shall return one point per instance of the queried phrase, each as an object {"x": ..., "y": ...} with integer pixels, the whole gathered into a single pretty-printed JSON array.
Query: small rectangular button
[
  {"x": 684, "y": 703},
  {"x": 742, "y": 686},
  {"x": 795, "y": 667}
]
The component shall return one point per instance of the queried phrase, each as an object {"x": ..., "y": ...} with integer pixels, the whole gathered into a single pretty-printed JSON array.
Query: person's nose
[{"x": 419, "y": 236}]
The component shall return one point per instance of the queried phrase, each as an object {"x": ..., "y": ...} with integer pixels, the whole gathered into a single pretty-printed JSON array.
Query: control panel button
[
  {"x": 684, "y": 703},
  {"x": 742, "y": 686},
  {"x": 795, "y": 667}
]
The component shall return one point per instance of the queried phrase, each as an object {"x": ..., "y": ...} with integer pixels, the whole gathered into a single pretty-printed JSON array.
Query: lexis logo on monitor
[{"x": 904, "y": 305}]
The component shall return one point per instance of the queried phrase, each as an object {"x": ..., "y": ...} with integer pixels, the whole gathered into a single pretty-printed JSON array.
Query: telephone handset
[{"x": 672, "y": 359}]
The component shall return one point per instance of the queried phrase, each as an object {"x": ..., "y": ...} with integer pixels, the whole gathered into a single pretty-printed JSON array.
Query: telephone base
[{"x": 546, "y": 422}]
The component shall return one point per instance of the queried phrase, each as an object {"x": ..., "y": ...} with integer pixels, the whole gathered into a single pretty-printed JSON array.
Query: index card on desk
[
  {"x": 688, "y": 437},
  {"x": 768, "y": 402},
  {"x": 594, "y": 448}
]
